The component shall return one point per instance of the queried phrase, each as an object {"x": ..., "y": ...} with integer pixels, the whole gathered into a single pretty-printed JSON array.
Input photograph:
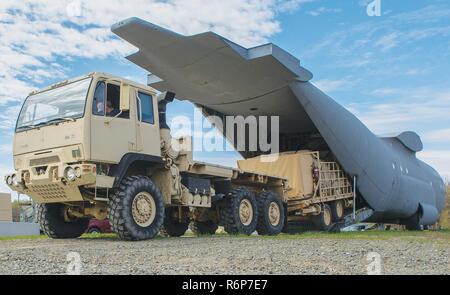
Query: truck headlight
[
  {"x": 9, "y": 180},
  {"x": 15, "y": 180},
  {"x": 71, "y": 174}
]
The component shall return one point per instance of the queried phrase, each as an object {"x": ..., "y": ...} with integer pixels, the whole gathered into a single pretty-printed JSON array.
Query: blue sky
[{"x": 392, "y": 70}]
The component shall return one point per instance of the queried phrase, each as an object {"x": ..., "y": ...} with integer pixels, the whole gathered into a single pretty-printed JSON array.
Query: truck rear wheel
[
  {"x": 270, "y": 214},
  {"x": 203, "y": 228},
  {"x": 239, "y": 212},
  {"x": 324, "y": 220},
  {"x": 55, "y": 223},
  {"x": 172, "y": 226},
  {"x": 337, "y": 210},
  {"x": 136, "y": 210}
]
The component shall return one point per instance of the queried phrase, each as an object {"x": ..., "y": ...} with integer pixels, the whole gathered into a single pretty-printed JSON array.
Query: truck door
[
  {"x": 147, "y": 131},
  {"x": 113, "y": 133}
]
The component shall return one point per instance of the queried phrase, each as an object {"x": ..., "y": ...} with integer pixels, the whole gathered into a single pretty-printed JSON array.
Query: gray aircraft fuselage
[{"x": 227, "y": 79}]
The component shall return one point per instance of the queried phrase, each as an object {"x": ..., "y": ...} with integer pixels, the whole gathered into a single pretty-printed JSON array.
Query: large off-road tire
[
  {"x": 337, "y": 210},
  {"x": 239, "y": 212},
  {"x": 324, "y": 221},
  {"x": 172, "y": 227},
  {"x": 270, "y": 214},
  {"x": 200, "y": 228},
  {"x": 53, "y": 223},
  {"x": 136, "y": 209}
]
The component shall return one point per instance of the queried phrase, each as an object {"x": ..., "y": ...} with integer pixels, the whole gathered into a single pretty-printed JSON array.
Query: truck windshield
[{"x": 60, "y": 104}]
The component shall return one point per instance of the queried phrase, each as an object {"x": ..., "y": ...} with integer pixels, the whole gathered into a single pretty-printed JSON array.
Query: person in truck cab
[{"x": 110, "y": 110}]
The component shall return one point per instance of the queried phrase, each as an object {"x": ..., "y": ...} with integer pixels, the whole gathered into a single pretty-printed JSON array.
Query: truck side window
[
  {"x": 147, "y": 108},
  {"x": 98, "y": 107},
  {"x": 113, "y": 102},
  {"x": 107, "y": 101}
]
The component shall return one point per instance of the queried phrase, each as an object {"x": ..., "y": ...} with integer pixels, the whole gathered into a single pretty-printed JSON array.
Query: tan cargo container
[
  {"x": 5, "y": 207},
  {"x": 296, "y": 167}
]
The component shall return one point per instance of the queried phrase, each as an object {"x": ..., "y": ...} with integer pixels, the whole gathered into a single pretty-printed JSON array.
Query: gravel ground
[{"x": 226, "y": 255}]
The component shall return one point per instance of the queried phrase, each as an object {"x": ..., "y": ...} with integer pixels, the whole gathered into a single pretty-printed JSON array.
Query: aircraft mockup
[{"x": 227, "y": 79}]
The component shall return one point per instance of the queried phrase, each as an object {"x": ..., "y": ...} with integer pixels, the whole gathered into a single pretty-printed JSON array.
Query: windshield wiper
[
  {"x": 51, "y": 122},
  {"x": 57, "y": 120}
]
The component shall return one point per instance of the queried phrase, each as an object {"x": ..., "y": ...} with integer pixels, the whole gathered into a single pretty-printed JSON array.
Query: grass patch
[
  {"x": 422, "y": 236},
  {"x": 426, "y": 236},
  {"x": 98, "y": 236},
  {"x": 22, "y": 238}
]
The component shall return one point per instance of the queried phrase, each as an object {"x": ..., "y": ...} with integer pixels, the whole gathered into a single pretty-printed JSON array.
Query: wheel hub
[
  {"x": 144, "y": 209},
  {"x": 246, "y": 212},
  {"x": 274, "y": 214}
]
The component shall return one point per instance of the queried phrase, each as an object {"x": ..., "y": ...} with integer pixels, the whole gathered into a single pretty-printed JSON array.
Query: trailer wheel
[
  {"x": 203, "y": 228},
  {"x": 136, "y": 210},
  {"x": 324, "y": 220},
  {"x": 239, "y": 212},
  {"x": 337, "y": 210},
  {"x": 172, "y": 226},
  {"x": 53, "y": 222},
  {"x": 271, "y": 214}
]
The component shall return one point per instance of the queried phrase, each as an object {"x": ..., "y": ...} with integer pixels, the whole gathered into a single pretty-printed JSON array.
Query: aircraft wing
[{"x": 218, "y": 74}]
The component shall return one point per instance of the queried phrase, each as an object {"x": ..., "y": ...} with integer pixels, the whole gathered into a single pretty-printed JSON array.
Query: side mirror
[{"x": 124, "y": 97}]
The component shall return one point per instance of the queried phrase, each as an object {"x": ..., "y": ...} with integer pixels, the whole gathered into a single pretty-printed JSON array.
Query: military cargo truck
[{"x": 99, "y": 146}]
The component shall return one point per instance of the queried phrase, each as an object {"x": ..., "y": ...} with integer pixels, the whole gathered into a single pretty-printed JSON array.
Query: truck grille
[{"x": 49, "y": 191}]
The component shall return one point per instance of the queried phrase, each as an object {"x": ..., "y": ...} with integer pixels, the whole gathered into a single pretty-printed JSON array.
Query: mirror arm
[{"x": 113, "y": 118}]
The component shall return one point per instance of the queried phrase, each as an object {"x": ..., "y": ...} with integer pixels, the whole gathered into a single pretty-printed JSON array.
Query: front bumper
[{"x": 52, "y": 185}]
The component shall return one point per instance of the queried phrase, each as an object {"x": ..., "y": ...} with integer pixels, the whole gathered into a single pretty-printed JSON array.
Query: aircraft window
[
  {"x": 98, "y": 107},
  {"x": 393, "y": 166},
  {"x": 147, "y": 108}
]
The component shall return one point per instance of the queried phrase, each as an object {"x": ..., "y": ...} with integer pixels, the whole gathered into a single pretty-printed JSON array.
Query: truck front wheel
[
  {"x": 270, "y": 214},
  {"x": 56, "y": 224},
  {"x": 136, "y": 210},
  {"x": 239, "y": 212}
]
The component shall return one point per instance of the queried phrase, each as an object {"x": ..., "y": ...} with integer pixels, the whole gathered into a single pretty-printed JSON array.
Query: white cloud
[
  {"x": 438, "y": 159},
  {"x": 329, "y": 85},
  {"x": 323, "y": 10},
  {"x": 35, "y": 34},
  {"x": 387, "y": 42},
  {"x": 385, "y": 91},
  {"x": 410, "y": 107},
  {"x": 5, "y": 149},
  {"x": 8, "y": 117},
  {"x": 441, "y": 135}
]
